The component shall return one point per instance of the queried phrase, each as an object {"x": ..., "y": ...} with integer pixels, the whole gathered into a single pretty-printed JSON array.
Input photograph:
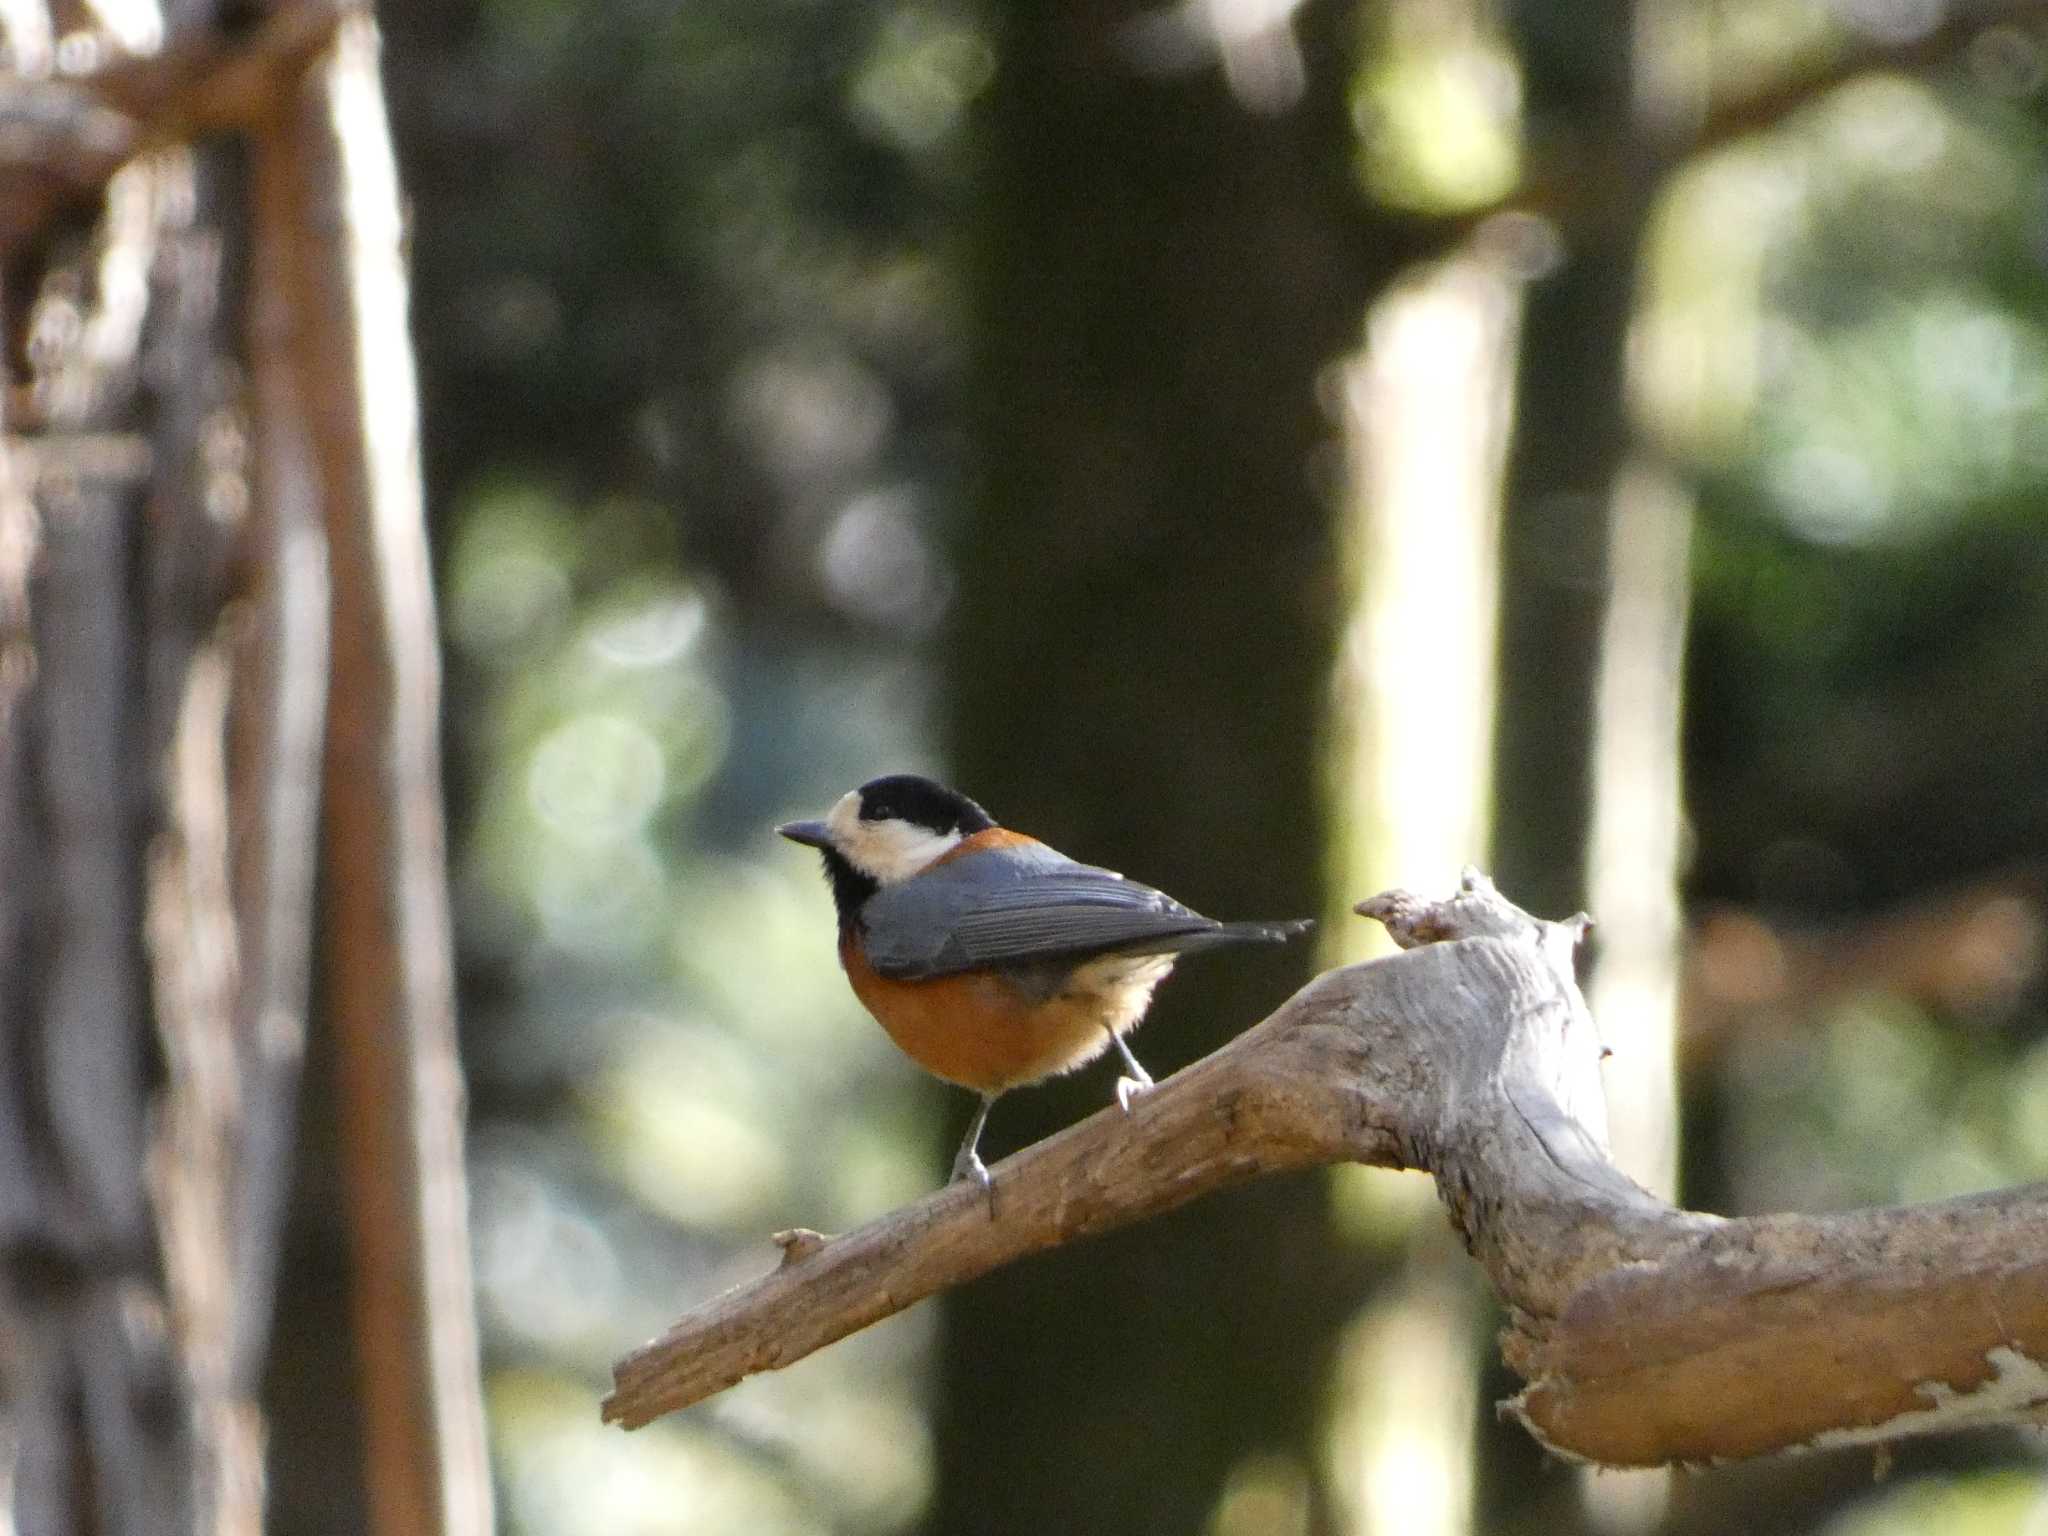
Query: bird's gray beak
[{"x": 812, "y": 834}]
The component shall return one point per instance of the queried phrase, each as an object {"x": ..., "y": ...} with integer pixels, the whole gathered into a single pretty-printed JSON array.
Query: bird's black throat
[{"x": 850, "y": 888}]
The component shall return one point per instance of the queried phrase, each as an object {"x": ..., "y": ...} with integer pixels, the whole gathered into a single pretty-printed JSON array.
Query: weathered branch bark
[{"x": 1646, "y": 1334}]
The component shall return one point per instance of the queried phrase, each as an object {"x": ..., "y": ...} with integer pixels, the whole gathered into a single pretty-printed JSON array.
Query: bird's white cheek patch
[{"x": 889, "y": 851}]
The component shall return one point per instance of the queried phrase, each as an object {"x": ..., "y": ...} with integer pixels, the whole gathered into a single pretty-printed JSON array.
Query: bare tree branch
[
  {"x": 1646, "y": 1334},
  {"x": 1974, "y": 946},
  {"x": 1960, "y": 24},
  {"x": 60, "y": 139},
  {"x": 1583, "y": 188},
  {"x": 211, "y": 78}
]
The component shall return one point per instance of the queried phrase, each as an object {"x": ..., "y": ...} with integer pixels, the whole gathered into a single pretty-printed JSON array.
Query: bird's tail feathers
[
  {"x": 1243, "y": 933},
  {"x": 1270, "y": 933}
]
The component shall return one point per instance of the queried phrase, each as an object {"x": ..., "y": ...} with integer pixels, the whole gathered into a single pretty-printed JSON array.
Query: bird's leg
[
  {"x": 1135, "y": 1081},
  {"x": 967, "y": 1163}
]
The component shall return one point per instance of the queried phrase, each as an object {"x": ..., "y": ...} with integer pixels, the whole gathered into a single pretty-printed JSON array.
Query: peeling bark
[{"x": 1647, "y": 1335}]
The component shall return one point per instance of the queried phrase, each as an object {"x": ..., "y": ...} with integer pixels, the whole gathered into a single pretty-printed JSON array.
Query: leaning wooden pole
[{"x": 386, "y": 944}]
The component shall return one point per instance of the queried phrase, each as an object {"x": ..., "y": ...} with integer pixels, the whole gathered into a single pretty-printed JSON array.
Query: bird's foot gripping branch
[{"x": 1645, "y": 1334}]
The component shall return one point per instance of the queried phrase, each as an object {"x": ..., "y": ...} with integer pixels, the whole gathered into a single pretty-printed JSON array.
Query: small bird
[{"x": 991, "y": 959}]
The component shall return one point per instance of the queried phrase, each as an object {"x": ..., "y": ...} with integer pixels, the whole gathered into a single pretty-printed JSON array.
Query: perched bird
[{"x": 991, "y": 959}]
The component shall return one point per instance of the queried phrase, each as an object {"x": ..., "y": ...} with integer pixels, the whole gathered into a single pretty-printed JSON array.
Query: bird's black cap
[{"x": 919, "y": 801}]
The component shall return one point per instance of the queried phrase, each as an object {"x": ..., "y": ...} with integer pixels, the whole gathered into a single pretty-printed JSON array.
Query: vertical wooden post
[
  {"x": 278, "y": 738},
  {"x": 328, "y": 169}
]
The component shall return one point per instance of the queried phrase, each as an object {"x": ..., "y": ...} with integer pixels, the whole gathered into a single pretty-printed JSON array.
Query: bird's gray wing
[{"x": 1007, "y": 907}]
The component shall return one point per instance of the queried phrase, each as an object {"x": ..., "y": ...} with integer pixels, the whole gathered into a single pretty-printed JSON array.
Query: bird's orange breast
[{"x": 985, "y": 1032}]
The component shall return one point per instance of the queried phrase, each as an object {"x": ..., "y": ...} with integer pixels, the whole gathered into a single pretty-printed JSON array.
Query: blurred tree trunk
[
  {"x": 1569, "y": 439},
  {"x": 1570, "y": 436},
  {"x": 1594, "y": 597},
  {"x": 1140, "y": 666},
  {"x": 132, "y": 1389},
  {"x": 1429, "y": 401},
  {"x": 173, "y": 441}
]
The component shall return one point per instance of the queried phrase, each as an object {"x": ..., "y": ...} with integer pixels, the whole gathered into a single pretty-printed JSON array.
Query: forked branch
[{"x": 1645, "y": 1334}]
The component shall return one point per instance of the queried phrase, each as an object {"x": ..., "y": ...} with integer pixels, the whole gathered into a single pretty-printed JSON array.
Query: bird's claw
[
  {"x": 1129, "y": 1088},
  {"x": 968, "y": 1165}
]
